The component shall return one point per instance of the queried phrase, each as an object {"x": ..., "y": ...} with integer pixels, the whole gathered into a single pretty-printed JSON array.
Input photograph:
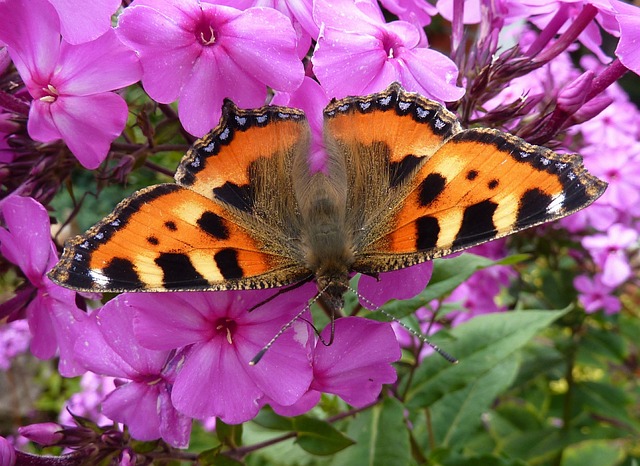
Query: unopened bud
[
  {"x": 572, "y": 97},
  {"x": 46, "y": 433},
  {"x": 591, "y": 108}
]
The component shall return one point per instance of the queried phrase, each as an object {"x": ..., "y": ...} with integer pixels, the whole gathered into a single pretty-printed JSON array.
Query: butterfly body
[{"x": 402, "y": 184}]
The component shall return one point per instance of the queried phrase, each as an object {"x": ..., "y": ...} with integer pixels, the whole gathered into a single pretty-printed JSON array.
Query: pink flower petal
[
  {"x": 88, "y": 133},
  {"x": 432, "y": 74},
  {"x": 262, "y": 42},
  {"x": 167, "y": 51},
  {"x": 400, "y": 284},
  {"x": 84, "y": 21},
  {"x": 33, "y": 37},
  {"x": 82, "y": 67},
  {"x": 356, "y": 365},
  {"x": 136, "y": 405},
  {"x": 211, "y": 384},
  {"x": 27, "y": 243}
]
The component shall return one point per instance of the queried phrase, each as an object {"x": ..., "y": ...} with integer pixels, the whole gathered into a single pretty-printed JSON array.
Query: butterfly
[{"x": 403, "y": 183}]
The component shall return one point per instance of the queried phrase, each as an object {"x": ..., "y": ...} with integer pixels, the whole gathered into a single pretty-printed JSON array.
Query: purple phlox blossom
[
  {"x": 86, "y": 402},
  {"x": 399, "y": 284},
  {"x": 299, "y": 12},
  {"x": 594, "y": 295},
  {"x": 199, "y": 53},
  {"x": 557, "y": 16},
  {"x": 359, "y": 53},
  {"x": 620, "y": 167},
  {"x": 311, "y": 98},
  {"x": 69, "y": 84},
  {"x": 610, "y": 253},
  {"x": 354, "y": 366},
  {"x": 7, "y": 453},
  {"x": 477, "y": 295},
  {"x": 628, "y": 17},
  {"x": 425, "y": 325},
  {"x": 142, "y": 399},
  {"x": 53, "y": 316},
  {"x": 219, "y": 337},
  {"x": 84, "y": 21},
  {"x": 14, "y": 340},
  {"x": 417, "y": 12}
]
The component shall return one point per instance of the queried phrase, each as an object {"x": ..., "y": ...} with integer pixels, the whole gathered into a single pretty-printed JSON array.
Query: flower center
[
  {"x": 50, "y": 94},
  {"x": 205, "y": 34},
  {"x": 227, "y": 328},
  {"x": 390, "y": 45}
]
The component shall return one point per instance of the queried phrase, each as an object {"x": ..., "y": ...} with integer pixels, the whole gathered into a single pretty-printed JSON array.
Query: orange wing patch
[
  {"x": 164, "y": 237},
  {"x": 406, "y": 126},
  {"x": 221, "y": 165},
  {"x": 481, "y": 185}
]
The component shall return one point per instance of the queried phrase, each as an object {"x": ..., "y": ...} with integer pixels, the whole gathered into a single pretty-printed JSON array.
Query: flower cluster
[{"x": 75, "y": 89}]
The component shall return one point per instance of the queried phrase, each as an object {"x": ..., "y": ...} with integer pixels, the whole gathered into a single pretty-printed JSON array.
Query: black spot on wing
[
  {"x": 477, "y": 224},
  {"x": 214, "y": 225},
  {"x": 240, "y": 197},
  {"x": 170, "y": 225},
  {"x": 532, "y": 207},
  {"x": 428, "y": 230},
  {"x": 400, "y": 171},
  {"x": 227, "y": 262},
  {"x": 430, "y": 188},
  {"x": 122, "y": 274},
  {"x": 179, "y": 272},
  {"x": 472, "y": 175},
  {"x": 493, "y": 184},
  {"x": 153, "y": 240}
]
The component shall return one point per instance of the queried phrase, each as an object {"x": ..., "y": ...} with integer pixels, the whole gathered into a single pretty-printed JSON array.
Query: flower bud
[
  {"x": 572, "y": 97},
  {"x": 7, "y": 453},
  {"x": 46, "y": 433}
]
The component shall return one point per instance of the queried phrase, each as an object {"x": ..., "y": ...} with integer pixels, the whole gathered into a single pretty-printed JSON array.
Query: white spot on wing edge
[
  {"x": 556, "y": 205},
  {"x": 98, "y": 277}
]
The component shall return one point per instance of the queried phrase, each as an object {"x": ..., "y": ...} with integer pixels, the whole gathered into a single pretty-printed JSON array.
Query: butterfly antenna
[
  {"x": 256, "y": 359},
  {"x": 418, "y": 335}
]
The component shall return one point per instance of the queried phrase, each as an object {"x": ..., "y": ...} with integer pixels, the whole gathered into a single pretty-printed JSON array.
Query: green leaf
[
  {"x": 213, "y": 457},
  {"x": 458, "y": 394},
  {"x": 229, "y": 434},
  {"x": 267, "y": 418},
  {"x": 382, "y": 437},
  {"x": 319, "y": 437},
  {"x": 592, "y": 453}
]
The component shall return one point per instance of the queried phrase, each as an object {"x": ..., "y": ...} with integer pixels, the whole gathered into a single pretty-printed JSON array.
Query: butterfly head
[{"x": 332, "y": 288}]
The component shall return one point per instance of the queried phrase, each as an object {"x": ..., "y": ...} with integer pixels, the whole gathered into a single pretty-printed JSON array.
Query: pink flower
[
  {"x": 399, "y": 284},
  {"x": 52, "y": 314},
  {"x": 628, "y": 17},
  {"x": 354, "y": 366},
  {"x": 359, "y": 53},
  {"x": 200, "y": 53},
  {"x": 595, "y": 295},
  {"x": 68, "y": 83},
  {"x": 7, "y": 453},
  {"x": 84, "y": 21},
  {"x": 417, "y": 12},
  {"x": 107, "y": 346},
  {"x": 220, "y": 337},
  {"x": 609, "y": 251}
]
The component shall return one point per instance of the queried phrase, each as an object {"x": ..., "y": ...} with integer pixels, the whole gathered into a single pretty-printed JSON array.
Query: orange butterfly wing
[{"x": 220, "y": 227}]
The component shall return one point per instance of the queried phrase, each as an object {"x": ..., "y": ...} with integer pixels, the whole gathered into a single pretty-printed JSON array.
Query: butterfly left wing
[
  {"x": 167, "y": 237},
  {"x": 482, "y": 184}
]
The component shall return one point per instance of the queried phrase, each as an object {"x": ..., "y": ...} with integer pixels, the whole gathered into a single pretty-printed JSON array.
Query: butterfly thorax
[{"x": 328, "y": 249}]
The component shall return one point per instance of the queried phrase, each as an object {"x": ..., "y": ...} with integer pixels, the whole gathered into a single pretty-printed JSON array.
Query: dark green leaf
[
  {"x": 382, "y": 437},
  {"x": 319, "y": 437}
]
